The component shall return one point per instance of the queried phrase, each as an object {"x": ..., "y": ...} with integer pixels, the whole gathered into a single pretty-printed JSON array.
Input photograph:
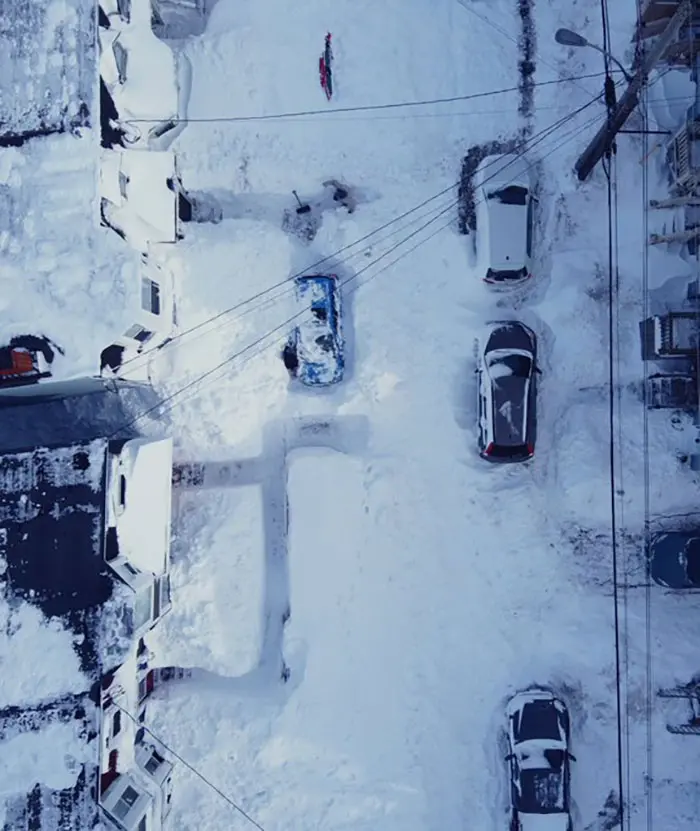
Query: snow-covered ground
[{"x": 423, "y": 585}]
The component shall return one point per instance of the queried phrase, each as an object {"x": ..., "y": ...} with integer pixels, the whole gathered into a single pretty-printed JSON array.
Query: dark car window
[
  {"x": 504, "y": 275},
  {"x": 692, "y": 565},
  {"x": 510, "y": 195},
  {"x": 541, "y": 791},
  {"x": 508, "y": 366},
  {"x": 510, "y": 451},
  {"x": 530, "y": 221}
]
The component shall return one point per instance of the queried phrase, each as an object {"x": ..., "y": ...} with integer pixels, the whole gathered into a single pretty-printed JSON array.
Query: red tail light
[
  {"x": 489, "y": 448},
  {"x": 531, "y": 449}
]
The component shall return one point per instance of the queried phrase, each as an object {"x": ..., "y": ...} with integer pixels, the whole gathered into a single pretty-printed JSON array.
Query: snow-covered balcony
[
  {"x": 139, "y": 193},
  {"x": 138, "y": 526},
  {"x": 140, "y": 75}
]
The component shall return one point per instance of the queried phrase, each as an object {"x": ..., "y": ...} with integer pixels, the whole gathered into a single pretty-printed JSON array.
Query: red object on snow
[{"x": 324, "y": 68}]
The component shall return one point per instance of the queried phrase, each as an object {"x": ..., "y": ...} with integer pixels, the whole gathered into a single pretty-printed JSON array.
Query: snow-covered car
[
  {"x": 505, "y": 203},
  {"x": 314, "y": 352},
  {"x": 674, "y": 559},
  {"x": 538, "y": 757},
  {"x": 507, "y": 392}
]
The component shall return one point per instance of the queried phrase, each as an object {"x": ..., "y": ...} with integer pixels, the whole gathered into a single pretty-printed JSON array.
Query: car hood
[{"x": 544, "y": 822}]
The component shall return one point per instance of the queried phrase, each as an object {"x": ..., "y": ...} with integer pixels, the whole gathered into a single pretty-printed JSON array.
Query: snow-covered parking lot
[{"x": 356, "y": 594}]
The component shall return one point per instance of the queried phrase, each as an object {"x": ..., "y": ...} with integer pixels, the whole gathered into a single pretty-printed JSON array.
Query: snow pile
[
  {"x": 55, "y": 757},
  {"x": 44, "y": 649}
]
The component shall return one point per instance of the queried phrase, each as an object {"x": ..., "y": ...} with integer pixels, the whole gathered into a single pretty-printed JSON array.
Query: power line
[
  {"x": 612, "y": 464},
  {"x": 366, "y": 108},
  {"x": 287, "y": 283},
  {"x": 190, "y": 767},
  {"x": 467, "y": 6},
  {"x": 247, "y": 350}
]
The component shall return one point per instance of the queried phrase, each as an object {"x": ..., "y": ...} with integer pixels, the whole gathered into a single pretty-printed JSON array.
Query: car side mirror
[
  {"x": 538, "y": 370},
  {"x": 510, "y": 757},
  {"x": 571, "y": 756}
]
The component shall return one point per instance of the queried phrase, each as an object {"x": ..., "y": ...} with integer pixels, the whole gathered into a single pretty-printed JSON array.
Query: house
[
  {"x": 85, "y": 543},
  {"x": 139, "y": 196},
  {"x": 150, "y": 319},
  {"x": 135, "y": 775},
  {"x": 140, "y": 91},
  {"x": 44, "y": 89}
]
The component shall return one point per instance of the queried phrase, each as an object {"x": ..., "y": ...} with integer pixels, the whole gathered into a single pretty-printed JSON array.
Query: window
[
  {"x": 122, "y": 490},
  {"x": 120, "y": 58},
  {"x": 142, "y": 609},
  {"x": 125, "y": 802},
  {"x": 150, "y": 296},
  {"x": 530, "y": 221},
  {"x": 116, "y": 723},
  {"x": 510, "y": 195},
  {"x": 142, "y": 824},
  {"x": 154, "y": 762}
]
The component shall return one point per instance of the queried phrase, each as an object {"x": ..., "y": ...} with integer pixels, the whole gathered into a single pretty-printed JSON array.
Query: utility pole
[{"x": 603, "y": 139}]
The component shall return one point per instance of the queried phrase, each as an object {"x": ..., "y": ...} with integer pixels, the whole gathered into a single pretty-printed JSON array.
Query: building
[
  {"x": 85, "y": 544},
  {"x": 50, "y": 89}
]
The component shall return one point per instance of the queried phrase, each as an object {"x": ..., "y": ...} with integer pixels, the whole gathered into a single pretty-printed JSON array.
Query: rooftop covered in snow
[
  {"x": 48, "y": 754},
  {"x": 48, "y": 78}
]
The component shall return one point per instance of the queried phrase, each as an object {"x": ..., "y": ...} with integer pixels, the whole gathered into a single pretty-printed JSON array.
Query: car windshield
[
  {"x": 692, "y": 556},
  {"x": 541, "y": 791},
  {"x": 510, "y": 195},
  {"x": 509, "y": 366},
  {"x": 502, "y": 276}
]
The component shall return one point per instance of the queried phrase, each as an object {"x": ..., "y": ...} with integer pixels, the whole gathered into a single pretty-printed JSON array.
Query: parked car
[
  {"x": 505, "y": 203},
  {"x": 507, "y": 396},
  {"x": 674, "y": 559},
  {"x": 538, "y": 757},
  {"x": 314, "y": 352}
]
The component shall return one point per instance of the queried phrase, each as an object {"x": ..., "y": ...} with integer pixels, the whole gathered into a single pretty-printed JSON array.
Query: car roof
[{"x": 507, "y": 234}]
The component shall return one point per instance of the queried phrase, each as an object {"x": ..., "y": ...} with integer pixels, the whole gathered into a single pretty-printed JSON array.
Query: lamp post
[{"x": 568, "y": 38}]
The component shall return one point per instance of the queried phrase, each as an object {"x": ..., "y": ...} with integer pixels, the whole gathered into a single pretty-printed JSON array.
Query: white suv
[{"x": 503, "y": 193}]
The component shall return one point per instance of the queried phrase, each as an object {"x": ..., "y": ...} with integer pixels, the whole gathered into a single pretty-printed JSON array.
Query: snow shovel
[{"x": 302, "y": 209}]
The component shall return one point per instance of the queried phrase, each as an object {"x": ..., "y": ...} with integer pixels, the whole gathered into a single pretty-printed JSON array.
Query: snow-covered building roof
[
  {"x": 73, "y": 609},
  {"x": 48, "y": 69},
  {"x": 49, "y": 763}
]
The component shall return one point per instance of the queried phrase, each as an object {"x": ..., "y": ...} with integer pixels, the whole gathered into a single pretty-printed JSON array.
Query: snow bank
[
  {"x": 53, "y": 756},
  {"x": 62, "y": 275},
  {"x": 217, "y": 583},
  {"x": 39, "y": 657}
]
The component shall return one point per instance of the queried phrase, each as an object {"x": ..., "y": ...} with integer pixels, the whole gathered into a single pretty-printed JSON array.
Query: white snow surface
[
  {"x": 54, "y": 674},
  {"x": 144, "y": 526},
  {"x": 54, "y": 757},
  {"x": 425, "y": 586}
]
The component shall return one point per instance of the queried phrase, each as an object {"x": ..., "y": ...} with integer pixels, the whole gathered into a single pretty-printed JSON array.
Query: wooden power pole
[{"x": 603, "y": 139}]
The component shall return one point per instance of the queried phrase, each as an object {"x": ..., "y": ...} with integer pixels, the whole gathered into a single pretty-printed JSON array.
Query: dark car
[
  {"x": 314, "y": 352},
  {"x": 538, "y": 758},
  {"x": 507, "y": 397},
  {"x": 674, "y": 559}
]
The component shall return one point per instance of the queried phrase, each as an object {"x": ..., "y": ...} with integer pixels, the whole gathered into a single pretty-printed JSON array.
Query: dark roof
[
  {"x": 58, "y": 413},
  {"x": 48, "y": 71},
  {"x": 67, "y": 809},
  {"x": 52, "y": 517}
]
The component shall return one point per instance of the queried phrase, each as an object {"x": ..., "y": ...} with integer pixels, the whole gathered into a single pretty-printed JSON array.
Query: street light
[{"x": 568, "y": 38}]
